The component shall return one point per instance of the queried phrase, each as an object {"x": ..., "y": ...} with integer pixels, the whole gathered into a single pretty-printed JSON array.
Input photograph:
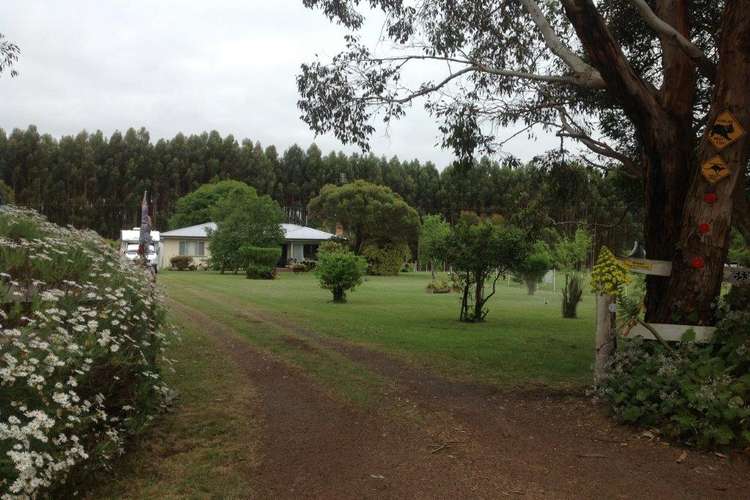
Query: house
[{"x": 300, "y": 243}]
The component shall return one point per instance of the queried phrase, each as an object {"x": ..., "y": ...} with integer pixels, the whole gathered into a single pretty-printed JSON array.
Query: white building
[{"x": 301, "y": 243}]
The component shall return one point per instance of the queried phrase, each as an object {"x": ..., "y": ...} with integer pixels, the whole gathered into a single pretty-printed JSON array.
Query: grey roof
[{"x": 292, "y": 232}]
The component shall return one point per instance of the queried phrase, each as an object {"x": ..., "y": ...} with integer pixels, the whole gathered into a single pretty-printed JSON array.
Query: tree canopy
[
  {"x": 197, "y": 207},
  {"x": 368, "y": 213},
  {"x": 636, "y": 83}
]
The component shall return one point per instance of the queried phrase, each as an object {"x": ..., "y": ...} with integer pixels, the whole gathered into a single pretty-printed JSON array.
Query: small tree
[
  {"x": 433, "y": 237},
  {"x": 260, "y": 262},
  {"x": 570, "y": 258},
  {"x": 244, "y": 219},
  {"x": 535, "y": 266},
  {"x": 480, "y": 251},
  {"x": 339, "y": 270}
]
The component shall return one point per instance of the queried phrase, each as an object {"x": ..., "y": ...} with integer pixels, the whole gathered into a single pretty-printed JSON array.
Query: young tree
[
  {"x": 570, "y": 257},
  {"x": 368, "y": 212},
  {"x": 481, "y": 251},
  {"x": 635, "y": 82},
  {"x": 433, "y": 236},
  {"x": 339, "y": 270},
  {"x": 244, "y": 221},
  {"x": 535, "y": 266},
  {"x": 196, "y": 207}
]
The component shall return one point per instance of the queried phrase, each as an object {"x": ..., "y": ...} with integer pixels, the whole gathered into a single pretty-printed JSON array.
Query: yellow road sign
[
  {"x": 725, "y": 130},
  {"x": 715, "y": 169}
]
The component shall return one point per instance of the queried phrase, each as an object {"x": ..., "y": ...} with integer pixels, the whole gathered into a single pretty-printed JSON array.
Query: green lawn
[
  {"x": 204, "y": 448},
  {"x": 524, "y": 340}
]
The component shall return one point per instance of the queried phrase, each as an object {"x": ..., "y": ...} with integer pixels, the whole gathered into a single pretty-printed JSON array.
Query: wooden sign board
[
  {"x": 648, "y": 266},
  {"x": 715, "y": 169},
  {"x": 737, "y": 276},
  {"x": 672, "y": 333},
  {"x": 725, "y": 130}
]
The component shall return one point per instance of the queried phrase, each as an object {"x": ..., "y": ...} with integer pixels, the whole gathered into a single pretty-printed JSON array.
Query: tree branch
[
  {"x": 575, "y": 131},
  {"x": 582, "y": 70},
  {"x": 704, "y": 64},
  {"x": 638, "y": 97}
]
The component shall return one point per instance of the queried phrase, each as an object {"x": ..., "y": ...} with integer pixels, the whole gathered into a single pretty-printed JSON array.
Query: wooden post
[{"x": 605, "y": 334}]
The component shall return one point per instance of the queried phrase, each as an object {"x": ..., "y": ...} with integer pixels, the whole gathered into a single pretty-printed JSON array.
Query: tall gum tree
[{"x": 638, "y": 83}]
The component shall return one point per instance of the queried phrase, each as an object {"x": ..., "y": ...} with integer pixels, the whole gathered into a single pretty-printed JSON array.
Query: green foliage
[
  {"x": 7, "y": 196},
  {"x": 571, "y": 294},
  {"x": 197, "y": 207},
  {"x": 369, "y": 213},
  {"x": 260, "y": 262},
  {"x": 243, "y": 218},
  {"x": 82, "y": 337},
  {"x": 181, "y": 262},
  {"x": 533, "y": 268},
  {"x": 609, "y": 276},
  {"x": 386, "y": 260},
  {"x": 481, "y": 250},
  {"x": 439, "y": 285},
  {"x": 339, "y": 270},
  {"x": 529, "y": 196},
  {"x": 697, "y": 393},
  {"x": 433, "y": 239},
  {"x": 569, "y": 255},
  {"x": 739, "y": 250}
]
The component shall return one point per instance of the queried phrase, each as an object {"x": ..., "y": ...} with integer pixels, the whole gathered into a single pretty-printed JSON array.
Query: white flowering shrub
[{"x": 82, "y": 333}]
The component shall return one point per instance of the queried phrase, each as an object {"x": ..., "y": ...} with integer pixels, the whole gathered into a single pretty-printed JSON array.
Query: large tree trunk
[
  {"x": 673, "y": 182},
  {"x": 698, "y": 263}
]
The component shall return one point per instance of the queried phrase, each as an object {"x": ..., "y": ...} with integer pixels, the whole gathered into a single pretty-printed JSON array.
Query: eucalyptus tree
[{"x": 637, "y": 83}]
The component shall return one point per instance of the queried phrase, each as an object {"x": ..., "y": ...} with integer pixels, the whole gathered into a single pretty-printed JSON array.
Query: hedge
[{"x": 82, "y": 333}]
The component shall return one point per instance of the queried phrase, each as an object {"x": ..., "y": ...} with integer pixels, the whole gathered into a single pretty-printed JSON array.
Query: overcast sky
[{"x": 186, "y": 66}]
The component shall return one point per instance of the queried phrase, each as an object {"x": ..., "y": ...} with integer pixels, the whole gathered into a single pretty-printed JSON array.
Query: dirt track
[{"x": 434, "y": 438}]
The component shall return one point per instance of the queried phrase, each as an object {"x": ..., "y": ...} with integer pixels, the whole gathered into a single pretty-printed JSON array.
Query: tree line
[{"x": 91, "y": 180}]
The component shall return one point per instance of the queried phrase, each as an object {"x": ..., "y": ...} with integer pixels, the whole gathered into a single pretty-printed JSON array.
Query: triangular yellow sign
[
  {"x": 725, "y": 130},
  {"x": 715, "y": 169}
]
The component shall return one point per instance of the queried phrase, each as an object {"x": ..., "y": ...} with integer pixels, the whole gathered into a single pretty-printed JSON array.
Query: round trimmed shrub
[
  {"x": 386, "y": 260},
  {"x": 82, "y": 331},
  {"x": 260, "y": 262},
  {"x": 339, "y": 271}
]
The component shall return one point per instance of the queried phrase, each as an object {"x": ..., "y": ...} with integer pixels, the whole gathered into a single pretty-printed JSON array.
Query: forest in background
[{"x": 94, "y": 181}]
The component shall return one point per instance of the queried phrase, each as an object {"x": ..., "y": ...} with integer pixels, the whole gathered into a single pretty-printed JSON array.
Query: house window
[
  {"x": 310, "y": 252},
  {"x": 192, "y": 248}
]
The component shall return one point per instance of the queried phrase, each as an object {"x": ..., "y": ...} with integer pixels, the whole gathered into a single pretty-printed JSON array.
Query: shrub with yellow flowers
[{"x": 609, "y": 275}]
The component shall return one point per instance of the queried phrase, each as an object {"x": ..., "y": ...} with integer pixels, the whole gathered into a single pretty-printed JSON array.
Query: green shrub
[
  {"x": 439, "y": 285},
  {"x": 81, "y": 338},
  {"x": 697, "y": 393},
  {"x": 260, "y": 262},
  {"x": 571, "y": 294},
  {"x": 385, "y": 260},
  {"x": 339, "y": 271},
  {"x": 181, "y": 262}
]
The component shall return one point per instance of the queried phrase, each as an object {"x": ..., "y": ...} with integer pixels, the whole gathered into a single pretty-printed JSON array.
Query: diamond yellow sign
[
  {"x": 715, "y": 169},
  {"x": 725, "y": 130}
]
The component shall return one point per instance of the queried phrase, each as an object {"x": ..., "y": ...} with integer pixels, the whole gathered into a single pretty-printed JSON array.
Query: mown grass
[
  {"x": 208, "y": 445},
  {"x": 524, "y": 340},
  {"x": 336, "y": 373}
]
